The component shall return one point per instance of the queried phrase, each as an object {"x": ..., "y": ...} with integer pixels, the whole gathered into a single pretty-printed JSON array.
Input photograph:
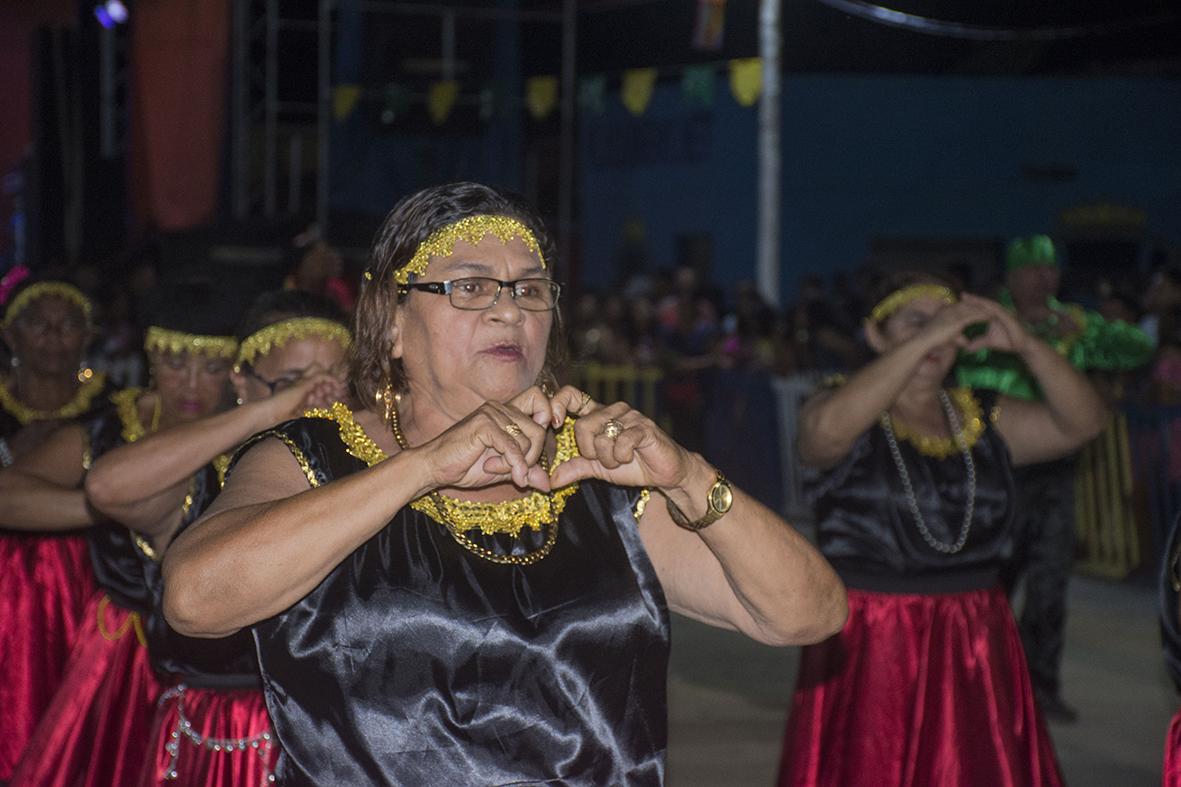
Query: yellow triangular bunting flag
[
  {"x": 541, "y": 96},
  {"x": 638, "y": 84},
  {"x": 746, "y": 80},
  {"x": 344, "y": 100},
  {"x": 440, "y": 100}
]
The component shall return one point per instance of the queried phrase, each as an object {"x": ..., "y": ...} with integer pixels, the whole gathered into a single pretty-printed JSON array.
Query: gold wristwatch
[{"x": 718, "y": 502}]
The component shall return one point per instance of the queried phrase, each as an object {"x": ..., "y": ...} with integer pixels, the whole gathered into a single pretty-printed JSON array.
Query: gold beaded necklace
[
  {"x": 460, "y": 516},
  {"x": 77, "y": 405},
  {"x": 943, "y": 447}
]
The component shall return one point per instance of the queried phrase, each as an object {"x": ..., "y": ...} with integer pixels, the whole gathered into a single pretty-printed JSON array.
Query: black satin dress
[
  {"x": 225, "y": 663},
  {"x": 119, "y": 564},
  {"x": 867, "y": 531},
  {"x": 415, "y": 662}
]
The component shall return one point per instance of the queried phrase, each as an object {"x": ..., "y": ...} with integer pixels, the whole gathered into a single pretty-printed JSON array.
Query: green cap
[{"x": 1032, "y": 250}]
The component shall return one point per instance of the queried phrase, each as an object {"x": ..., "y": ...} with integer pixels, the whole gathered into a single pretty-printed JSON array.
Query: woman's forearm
[
  {"x": 244, "y": 564},
  {"x": 750, "y": 570},
  {"x": 124, "y": 480},
  {"x": 31, "y": 503},
  {"x": 830, "y": 425},
  {"x": 1073, "y": 403}
]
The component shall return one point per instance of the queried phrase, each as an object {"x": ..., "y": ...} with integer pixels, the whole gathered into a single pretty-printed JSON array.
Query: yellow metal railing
[
  {"x": 1105, "y": 519},
  {"x": 639, "y": 386}
]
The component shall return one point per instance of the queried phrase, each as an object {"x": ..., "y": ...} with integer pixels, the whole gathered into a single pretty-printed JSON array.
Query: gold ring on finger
[
  {"x": 582, "y": 404},
  {"x": 512, "y": 429},
  {"x": 612, "y": 429}
]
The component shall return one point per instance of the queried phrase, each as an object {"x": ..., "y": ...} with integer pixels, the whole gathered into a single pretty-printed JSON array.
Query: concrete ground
[{"x": 728, "y": 697}]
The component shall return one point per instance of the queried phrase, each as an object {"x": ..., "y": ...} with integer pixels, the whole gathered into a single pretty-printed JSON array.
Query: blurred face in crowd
[
  {"x": 461, "y": 359},
  {"x": 906, "y": 323},
  {"x": 1032, "y": 285},
  {"x": 49, "y": 336},
  {"x": 319, "y": 263},
  {"x": 289, "y": 363},
  {"x": 190, "y": 385}
]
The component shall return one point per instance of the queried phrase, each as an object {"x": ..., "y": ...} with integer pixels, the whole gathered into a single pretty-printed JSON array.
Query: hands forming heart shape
[{"x": 505, "y": 442}]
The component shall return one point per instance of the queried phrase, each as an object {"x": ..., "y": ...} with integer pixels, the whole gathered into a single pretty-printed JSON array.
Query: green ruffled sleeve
[
  {"x": 1109, "y": 346},
  {"x": 1002, "y": 372}
]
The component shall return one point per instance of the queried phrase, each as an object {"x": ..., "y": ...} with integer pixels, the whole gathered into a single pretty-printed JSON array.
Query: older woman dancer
[
  {"x": 459, "y": 582},
  {"x": 211, "y": 727},
  {"x": 927, "y": 684},
  {"x": 95, "y": 730},
  {"x": 44, "y": 580}
]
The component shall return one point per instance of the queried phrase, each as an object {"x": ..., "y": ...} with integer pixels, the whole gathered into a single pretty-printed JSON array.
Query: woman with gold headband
[
  {"x": 459, "y": 581},
  {"x": 291, "y": 357},
  {"x": 45, "y": 579},
  {"x": 96, "y": 728},
  {"x": 927, "y": 684}
]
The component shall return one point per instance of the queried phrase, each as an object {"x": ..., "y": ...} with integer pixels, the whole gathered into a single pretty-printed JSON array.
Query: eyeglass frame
[{"x": 446, "y": 287}]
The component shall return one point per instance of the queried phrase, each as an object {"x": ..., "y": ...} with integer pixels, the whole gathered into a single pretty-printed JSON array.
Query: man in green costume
[{"x": 1044, "y": 512}]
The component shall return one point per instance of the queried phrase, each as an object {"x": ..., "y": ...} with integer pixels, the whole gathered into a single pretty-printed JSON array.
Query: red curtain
[
  {"x": 179, "y": 59},
  {"x": 18, "y": 20}
]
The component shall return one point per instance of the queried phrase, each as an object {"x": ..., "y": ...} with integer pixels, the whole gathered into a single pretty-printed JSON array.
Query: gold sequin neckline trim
[
  {"x": 942, "y": 447},
  {"x": 509, "y": 517},
  {"x": 127, "y": 407},
  {"x": 78, "y": 405}
]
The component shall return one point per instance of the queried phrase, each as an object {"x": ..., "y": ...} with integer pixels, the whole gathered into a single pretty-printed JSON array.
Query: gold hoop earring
[{"x": 386, "y": 396}]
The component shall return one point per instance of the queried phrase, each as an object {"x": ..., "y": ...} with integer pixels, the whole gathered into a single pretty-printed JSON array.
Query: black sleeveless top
[
  {"x": 417, "y": 662},
  {"x": 93, "y": 397},
  {"x": 118, "y": 563},
  {"x": 868, "y": 533},
  {"x": 225, "y": 663}
]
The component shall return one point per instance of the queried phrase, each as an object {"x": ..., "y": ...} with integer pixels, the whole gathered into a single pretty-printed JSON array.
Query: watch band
[{"x": 721, "y": 489}]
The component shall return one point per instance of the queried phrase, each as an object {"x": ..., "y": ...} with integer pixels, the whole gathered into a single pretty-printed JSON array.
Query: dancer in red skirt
[
  {"x": 211, "y": 727},
  {"x": 927, "y": 683},
  {"x": 45, "y": 580},
  {"x": 95, "y": 731}
]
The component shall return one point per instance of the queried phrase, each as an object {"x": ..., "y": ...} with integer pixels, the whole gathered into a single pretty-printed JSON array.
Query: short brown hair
[{"x": 413, "y": 220}]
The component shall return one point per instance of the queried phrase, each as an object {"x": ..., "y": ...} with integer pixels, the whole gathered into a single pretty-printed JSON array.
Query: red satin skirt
[
  {"x": 211, "y": 738},
  {"x": 1172, "y": 770},
  {"x": 96, "y": 731},
  {"x": 918, "y": 690},
  {"x": 45, "y": 582}
]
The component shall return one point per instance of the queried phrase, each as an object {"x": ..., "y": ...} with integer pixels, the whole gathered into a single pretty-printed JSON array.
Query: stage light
[{"x": 111, "y": 13}]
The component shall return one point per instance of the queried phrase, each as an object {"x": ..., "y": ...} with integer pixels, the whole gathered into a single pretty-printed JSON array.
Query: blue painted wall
[{"x": 876, "y": 156}]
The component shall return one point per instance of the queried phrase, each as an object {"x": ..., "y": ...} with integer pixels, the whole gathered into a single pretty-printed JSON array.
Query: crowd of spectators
[{"x": 676, "y": 322}]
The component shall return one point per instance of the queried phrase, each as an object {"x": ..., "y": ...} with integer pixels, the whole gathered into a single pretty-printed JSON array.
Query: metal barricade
[
  {"x": 639, "y": 386},
  {"x": 1109, "y": 539},
  {"x": 790, "y": 394}
]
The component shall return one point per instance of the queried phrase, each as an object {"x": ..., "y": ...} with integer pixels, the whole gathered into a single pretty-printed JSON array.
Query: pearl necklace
[{"x": 953, "y": 421}]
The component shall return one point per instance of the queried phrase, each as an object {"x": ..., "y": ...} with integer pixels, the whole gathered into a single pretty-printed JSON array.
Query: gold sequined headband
[
  {"x": 166, "y": 341},
  {"x": 277, "y": 334},
  {"x": 899, "y": 298},
  {"x": 43, "y": 289},
  {"x": 472, "y": 230}
]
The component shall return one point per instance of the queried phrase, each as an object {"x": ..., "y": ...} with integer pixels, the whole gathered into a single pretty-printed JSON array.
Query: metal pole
[
  {"x": 448, "y": 46},
  {"x": 294, "y": 173},
  {"x": 240, "y": 120},
  {"x": 323, "y": 115},
  {"x": 271, "y": 111},
  {"x": 770, "y": 170},
  {"x": 107, "y": 98},
  {"x": 566, "y": 148}
]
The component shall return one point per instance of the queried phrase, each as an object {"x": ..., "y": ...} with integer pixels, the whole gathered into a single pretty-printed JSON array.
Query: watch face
[{"x": 721, "y": 497}]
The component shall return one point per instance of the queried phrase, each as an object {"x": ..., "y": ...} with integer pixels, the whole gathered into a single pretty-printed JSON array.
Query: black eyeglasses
[
  {"x": 478, "y": 292},
  {"x": 274, "y": 386}
]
